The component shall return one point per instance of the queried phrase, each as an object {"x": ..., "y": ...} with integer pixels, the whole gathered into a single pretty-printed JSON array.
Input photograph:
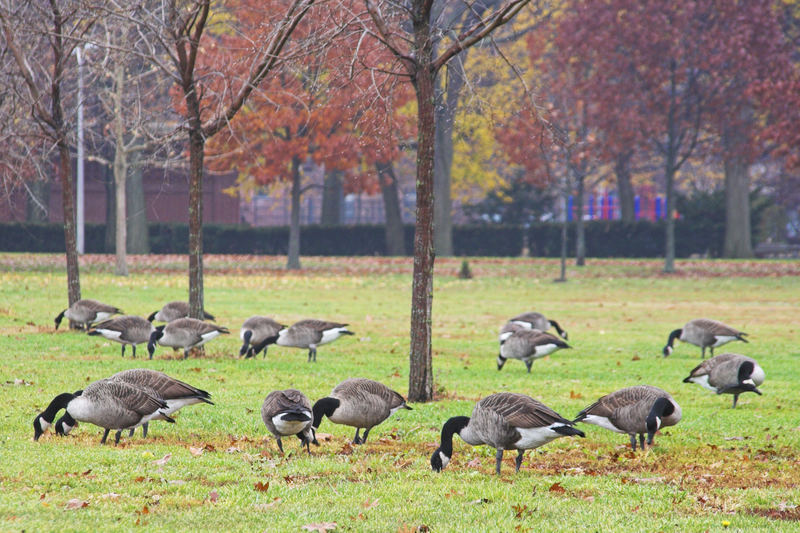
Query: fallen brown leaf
[
  {"x": 197, "y": 452},
  {"x": 556, "y": 487},
  {"x": 76, "y": 503},
  {"x": 213, "y": 496},
  {"x": 164, "y": 460},
  {"x": 321, "y": 527},
  {"x": 261, "y": 487}
]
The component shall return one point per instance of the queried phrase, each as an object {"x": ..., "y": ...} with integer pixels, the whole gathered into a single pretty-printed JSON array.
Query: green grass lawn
[{"x": 217, "y": 469}]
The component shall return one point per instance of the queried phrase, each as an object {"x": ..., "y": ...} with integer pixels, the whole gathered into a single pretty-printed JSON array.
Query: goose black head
[
  {"x": 59, "y": 318},
  {"x": 671, "y": 340},
  {"x": 244, "y": 349},
  {"x": 500, "y": 361},
  {"x": 151, "y": 344},
  {"x": 152, "y": 316},
  {"x": 45, "y": 419},
  {"x": 441, "y": 457},
  {"x": 65, "y": 424}
]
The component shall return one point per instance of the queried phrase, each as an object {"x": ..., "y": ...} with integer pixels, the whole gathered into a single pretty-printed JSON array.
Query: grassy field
[{"x": 217, "y": 469}]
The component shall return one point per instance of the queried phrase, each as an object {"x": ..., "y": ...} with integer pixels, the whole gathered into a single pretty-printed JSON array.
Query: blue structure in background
[
  {"x": 637, "y": 207},
  {"x": 604, "y": 207}
]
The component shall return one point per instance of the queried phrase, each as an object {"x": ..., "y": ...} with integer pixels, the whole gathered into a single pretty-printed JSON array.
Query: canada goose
[
  {"x": 258, "y": 332},
  {"x": 528, "y": 345},
  {"x": 288, "y": 412},
  {"x": 504, "y": 421},
  {"x": 311, "y": 333},
  {"x": 728, "y": 373},
  {"x": 126, "y": 329},
  {"x": 87, "y": 312},
  {"x": 107, "y": 403},
  {"x": 640, "y": 409},
  {"x": 534, "y": 320},
  {"x": 510, "y": 328},
  {"x": 185, "y": 333},
  {"x": 173, "y": 311},
  {"x": 360, "y": 403},
  {"x": 705, "y": 333},
  {"x": 175, "y": 393}
]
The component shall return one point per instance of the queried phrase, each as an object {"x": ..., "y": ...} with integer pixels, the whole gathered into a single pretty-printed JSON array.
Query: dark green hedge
[{"x": 603, "y": 239}]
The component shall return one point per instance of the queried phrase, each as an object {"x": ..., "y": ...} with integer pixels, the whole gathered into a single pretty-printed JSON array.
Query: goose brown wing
[
  {"x": 167, "y": 387},
  {"x": 319, "y": 325},
  {"x": 362, "y": 388},
  {"x": 99, "y": 307},
  {"x": 610, "y": 404},
  {"x": 134, "y": 398},
  {"x": 285, "y": 400},
  {"x": 520, "y": 410},
  {"x": 715, "y": 327}
]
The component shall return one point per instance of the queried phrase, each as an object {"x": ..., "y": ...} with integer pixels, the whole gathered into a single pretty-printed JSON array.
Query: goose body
[
  {"x": 257, "y": 333},
  {"x": 288, "y": 412},
  {"x": 185, "y": 333},
  {"x": 87, "y": 312},
  {"x": 528, "y": 345},
  {"x": 534, "y": 320},
  {"x": 126, "y": 330},
  {"x": 311, "y": 333},
  {"x": 504, "y": 421},
  {"x": 728, "y": 373},
  {"x": 642, "y": 409},
  {"x": 359, "y": 403},
  {"x": 173, "y": 311},
  {"x": 107, "y": 403},
  {"x": 705, "y": 333}
]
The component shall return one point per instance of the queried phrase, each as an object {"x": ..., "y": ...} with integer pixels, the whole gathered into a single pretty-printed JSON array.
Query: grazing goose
[
  {"x": 258, "y": 332},
  {"x": 705, "y": 333},
  {"x": 107, "y": 403},
  {"x": 87, "y": 312},
  {"x": 360, "y": 403},
  {"x": 311, "y": 333},
  {"x": 528, "y": 345},
  {"x": 728, "y": 373},
  {"x": 185, "y": 333},
  {"x": 534, "y": 320},
  {"x": 504, "y": 421},
  {"x": 173, "y": 311},
  {"x": 126, "y": 329},
  {"x": 640, "y": 409},
  {"x": 288, "y": 412},
  {"x": 175, "y": 393}
]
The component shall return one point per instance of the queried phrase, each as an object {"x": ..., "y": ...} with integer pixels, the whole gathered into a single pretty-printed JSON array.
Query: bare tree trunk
[
  {"x": 738, "y": 236},
  {"x": 73, "y": 271},
  {"x": 138, "y": 239},
  {"x": 120, "y": 173},
  {"x": 580, "y": 227},
  {"x": 293, "y": 259},
  {"x": 38, "y": 201},
  {"x": 625, "y": 186},
  {"x": 111, "y": 209},
  {"x": 564, "y": 234},
  {"x": 669, "y": 251},
  {"x": 420, "y": 378},
  {"x": 395, "y": 236},
  {"x": 196, "y": 156},
  {"x": 332, "y": 199}
]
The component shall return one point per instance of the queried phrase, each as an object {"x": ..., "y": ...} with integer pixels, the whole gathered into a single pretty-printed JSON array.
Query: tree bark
[
  {"x": 332, "y": 199},
  {"x": 580, "y": 226},
  {"x": 625, "y": 186},
  {"x": 120, "y": 173},
  {"x": 395, "y": 236},
  {"x": 443, "y": 164},
  {"x": 738, "y": 237},
  {"x": 564, "y": 234},
  {"x": 293, "y": 259},
  {"x": 669, "y": 248},
  {"x": 111, "y": 209},
  {"x": 70, "y": 240},
  {"x": 420, "y": 378},
  {"x": 138, "y": 239},
  {"x": 196, "y": 156}
]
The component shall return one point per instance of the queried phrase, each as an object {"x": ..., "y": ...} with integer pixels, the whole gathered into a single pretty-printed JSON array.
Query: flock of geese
[{"x": 504, "y": 421}]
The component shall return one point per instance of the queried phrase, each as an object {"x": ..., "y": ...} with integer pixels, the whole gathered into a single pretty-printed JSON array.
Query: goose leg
[
  {"x": 633, "y": 441},
  {"x": 123, "y": 351},
  {"x": 528, "y": 365},
  {"x": 105, "y": 436},
  {"x": 712, "y": 351},
  {"x": 144, "y": 430},
  {"x": 116, "y": 437},
  {"x": 265, "y": 353},
  {"x": 356, "y": 439},
  {"x": 499, "y": 460},
  {"x": 186, "y": 353},
  {"x": 519, "y": 459},
  {"x": 310, "y": 351},
  {"x": 364, "y": 436},
  {"x": 130, "y": 433},
  {"x": 280, "y": 446},
  {"x": 735, "y": 399},
  {"x": 304, "y": 442},
  {"x": 641, "y": 441},
  {"x": 133, "y": 347}
]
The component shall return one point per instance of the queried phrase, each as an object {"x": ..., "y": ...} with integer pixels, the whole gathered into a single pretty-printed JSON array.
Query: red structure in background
[{"x": 166, "y": 197}]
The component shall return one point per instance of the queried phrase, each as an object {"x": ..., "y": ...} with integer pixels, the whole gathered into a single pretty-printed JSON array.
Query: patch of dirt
[{"x": 788, "y": 513}]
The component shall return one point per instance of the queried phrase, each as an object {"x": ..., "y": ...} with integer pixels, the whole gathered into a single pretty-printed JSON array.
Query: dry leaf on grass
[
  {"x": 164, "y": 460},
  {"x": 76, "y": 503},
  {"x": 321, "y": 527},
  {"x": 261, "y": 487},
  {"x": 197, "y": 452}
]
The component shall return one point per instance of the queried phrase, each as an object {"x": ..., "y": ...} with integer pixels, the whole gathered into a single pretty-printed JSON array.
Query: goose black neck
[
  {"x": 674, "y": 335},
  {"x": 451, "y": 427},
  {"x": 661, "y": 407},
  {"x": 59, "y": 318},
  {"x": 59, "y": 402},
  {"x": 746, "y": 370},
  {"x": 560, "y": 331},
  {"x": 246, "y": 338},
  {"x": 152, "y": 316},
  {"x": 66, "y": 419},
  {"x": 325, "y": 406}
]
